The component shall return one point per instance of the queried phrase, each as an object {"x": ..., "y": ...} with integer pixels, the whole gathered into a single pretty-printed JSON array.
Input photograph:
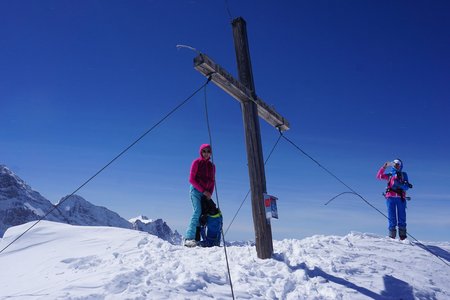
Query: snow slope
[{"x": 60, "y": 261}]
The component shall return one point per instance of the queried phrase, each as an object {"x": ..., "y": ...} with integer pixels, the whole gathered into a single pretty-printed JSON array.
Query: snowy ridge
[
  {"x": 77, "y": 211},
  {"x": 59, "y": 261}
]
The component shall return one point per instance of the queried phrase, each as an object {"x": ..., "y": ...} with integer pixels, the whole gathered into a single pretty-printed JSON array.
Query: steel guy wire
[
  {"x": 216, "y": 192},
  {"x": 357, "y": 194},
  {"x": 249, "y": 190},
  {"x": 110, "y": 162}
]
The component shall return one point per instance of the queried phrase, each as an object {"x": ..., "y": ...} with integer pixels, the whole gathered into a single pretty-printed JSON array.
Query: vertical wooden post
[{"x": 263, "y": 230}]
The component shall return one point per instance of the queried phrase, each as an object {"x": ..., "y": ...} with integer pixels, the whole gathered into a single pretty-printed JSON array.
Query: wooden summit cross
[{"x": 252, "y": 106}]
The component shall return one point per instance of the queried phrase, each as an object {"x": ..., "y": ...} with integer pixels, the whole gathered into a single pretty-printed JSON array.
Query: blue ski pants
[
  {"x": 196, "y": 198},
  {"x": 396, "y": 207}
]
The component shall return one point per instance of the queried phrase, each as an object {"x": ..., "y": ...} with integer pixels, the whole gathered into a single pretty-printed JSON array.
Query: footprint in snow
[
  {"x": 82, "y": 263},
  {"x": 142, "y": 243}
]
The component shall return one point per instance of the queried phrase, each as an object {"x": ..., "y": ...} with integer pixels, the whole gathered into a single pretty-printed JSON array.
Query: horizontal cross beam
[{"x": 237, "y": 90}]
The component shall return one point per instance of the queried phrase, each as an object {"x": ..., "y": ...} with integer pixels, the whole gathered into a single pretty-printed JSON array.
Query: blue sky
[{"x": 361, "y": 82}]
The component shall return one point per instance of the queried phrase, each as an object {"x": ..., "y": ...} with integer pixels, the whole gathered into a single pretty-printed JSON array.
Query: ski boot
[
  {"x": 402, "y": 233},
  {"x": 392, "y": 233},
  {"x": 190, "y": 243}
]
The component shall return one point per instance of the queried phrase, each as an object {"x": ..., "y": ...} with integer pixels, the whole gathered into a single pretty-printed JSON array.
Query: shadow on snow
[
  {"x": 438, "y": 251},
  {"x": 393, "y": 288}
]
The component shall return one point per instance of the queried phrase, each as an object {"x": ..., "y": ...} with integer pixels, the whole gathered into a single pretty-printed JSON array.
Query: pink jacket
[
  {"x": 203, "y": 173},
  {"x": 382, "y": 176}
]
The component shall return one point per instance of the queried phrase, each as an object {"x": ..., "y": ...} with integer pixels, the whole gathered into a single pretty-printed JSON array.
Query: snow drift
[{"x": 60, "y": 261}]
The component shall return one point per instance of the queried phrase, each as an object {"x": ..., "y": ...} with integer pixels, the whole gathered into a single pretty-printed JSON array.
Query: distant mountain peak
[
  {"x": 19, "y": 203},
  {"x": 141, "y": 218},
  {"x": 9, "y": 180},
  {"x": 156, "y": 227}
]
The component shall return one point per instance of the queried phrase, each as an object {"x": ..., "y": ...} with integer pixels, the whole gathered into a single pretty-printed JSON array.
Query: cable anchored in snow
[
  {"x": 352, "y": 191},
  {"x": 111, "y": 161},
  {"x": 417, "y": 241},
  {"x": 215, "y": 188}
]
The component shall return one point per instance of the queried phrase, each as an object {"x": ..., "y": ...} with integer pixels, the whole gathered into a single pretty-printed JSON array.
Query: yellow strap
[{"x": 216, "y": 215}]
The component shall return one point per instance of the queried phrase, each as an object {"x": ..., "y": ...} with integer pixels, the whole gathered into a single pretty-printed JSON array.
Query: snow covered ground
[{"x": 60, "y": 261}]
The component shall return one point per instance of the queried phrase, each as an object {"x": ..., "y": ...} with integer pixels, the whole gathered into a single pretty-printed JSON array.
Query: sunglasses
[{"x": 206, "y": 151}]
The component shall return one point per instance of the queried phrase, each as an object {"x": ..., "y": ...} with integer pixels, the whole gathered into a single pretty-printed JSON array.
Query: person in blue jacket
[{"x": 395, "y": 195}]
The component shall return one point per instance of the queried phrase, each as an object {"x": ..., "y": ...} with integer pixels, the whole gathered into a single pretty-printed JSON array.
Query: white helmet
[{"x": 397, "y": 161}]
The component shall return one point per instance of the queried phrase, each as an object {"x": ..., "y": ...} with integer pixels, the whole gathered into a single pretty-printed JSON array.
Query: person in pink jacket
[
  {"x": 395, "y": 196},
  {"x": 202, "y": 180}
]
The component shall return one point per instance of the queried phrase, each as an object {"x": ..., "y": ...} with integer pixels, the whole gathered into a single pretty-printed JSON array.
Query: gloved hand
[{"x": 386, "y": 164}]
